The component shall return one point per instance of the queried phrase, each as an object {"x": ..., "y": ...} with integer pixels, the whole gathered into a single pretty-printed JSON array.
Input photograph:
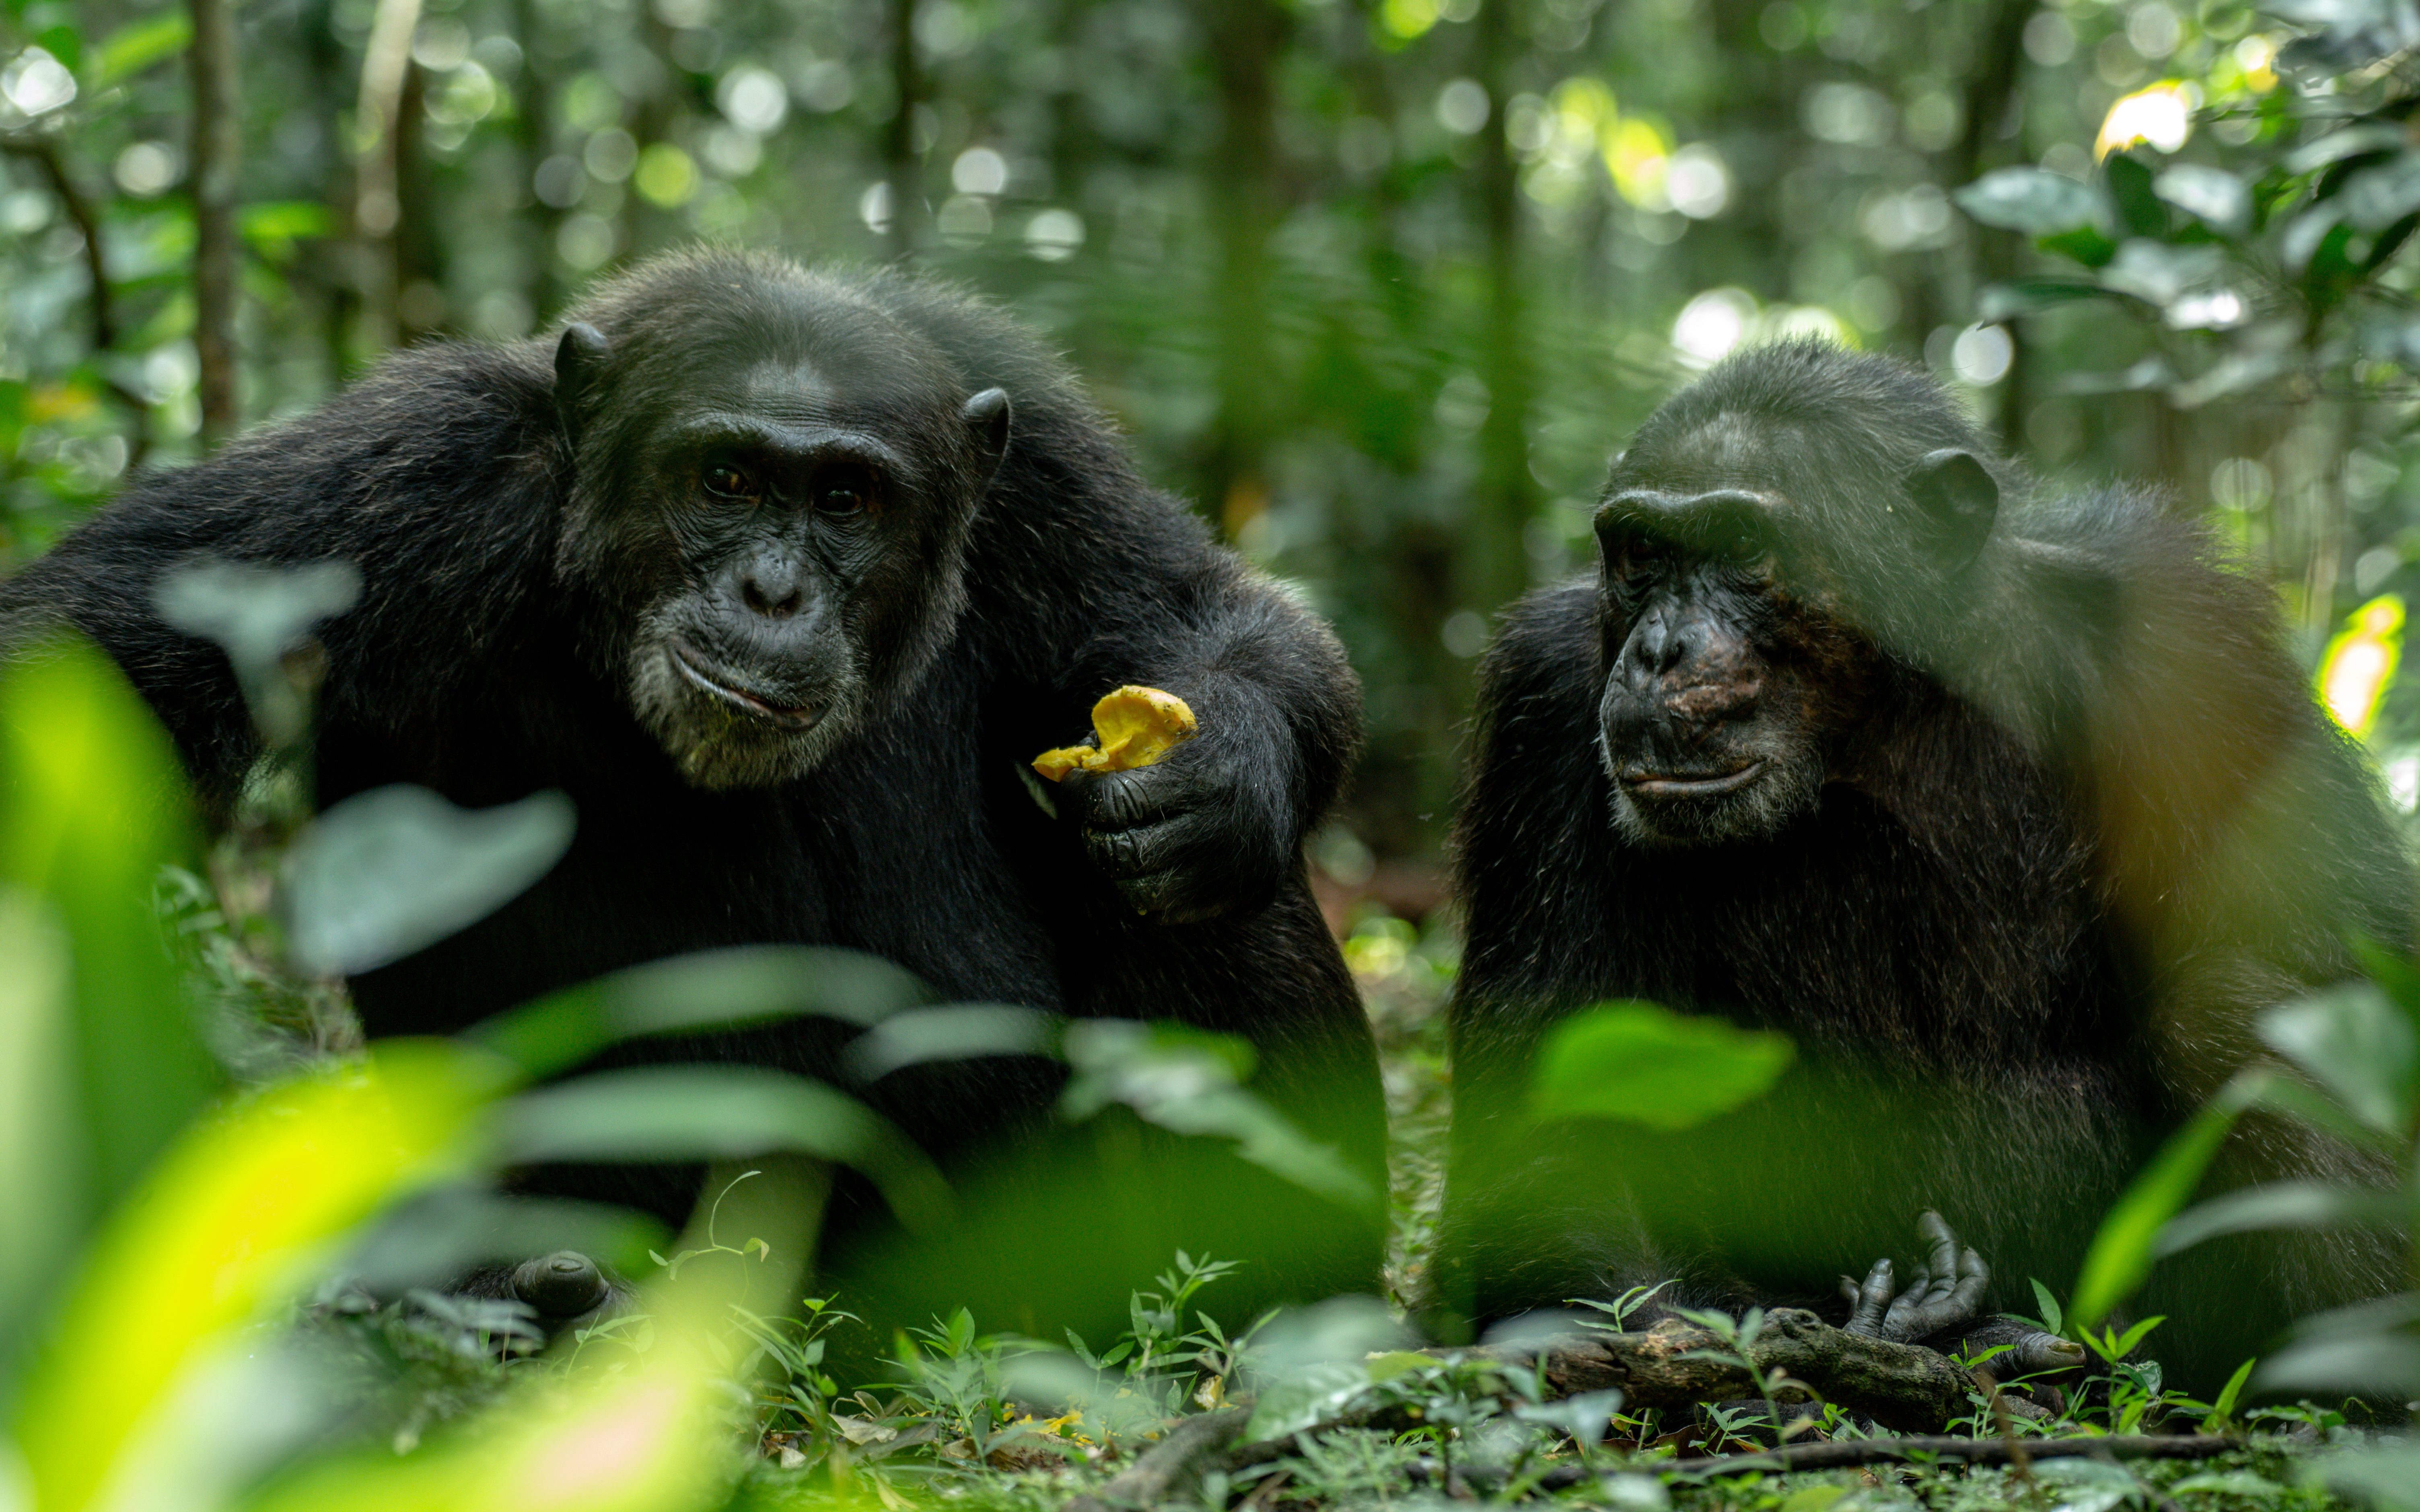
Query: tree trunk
[
  {"x": 1495, "y": 560},
  {"x": 1245, "y": 36},
  {"x": 218, "y": 148}
]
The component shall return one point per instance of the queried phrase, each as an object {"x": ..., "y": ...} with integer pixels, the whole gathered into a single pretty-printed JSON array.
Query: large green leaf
[
  {"x": 92, "y": 804},
  {"x": 1647, "y": 1064},
  {"x": 2357, "y": 1046},
  {"x": 2035, "y": 201},
  {"x": 387, "y": 871},
  {"x": 2376, "y": 198},
  {"x": 2214, "y": 196},
  {"x": 663, "y": 1112}
]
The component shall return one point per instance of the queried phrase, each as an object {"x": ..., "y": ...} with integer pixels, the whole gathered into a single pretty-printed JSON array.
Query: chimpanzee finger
[
  {"x": 1973, "y": 1278},
  {"x": 1132, "y": 799},
  {"x": 1934, "y": 1229},
  {"x": 565, "y": 1284},
  {"x": 1873, "y": 1302}
]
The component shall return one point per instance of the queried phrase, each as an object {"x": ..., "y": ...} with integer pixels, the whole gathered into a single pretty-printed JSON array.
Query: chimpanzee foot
[
  {"x": 1941, "y": 1306},
  {"x": 567, "y": 1289},
  {"x": 1946, "y": 1292}
]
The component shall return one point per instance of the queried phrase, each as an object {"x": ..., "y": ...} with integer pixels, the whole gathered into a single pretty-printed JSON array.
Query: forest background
[{"x": 1378, "y": 284}]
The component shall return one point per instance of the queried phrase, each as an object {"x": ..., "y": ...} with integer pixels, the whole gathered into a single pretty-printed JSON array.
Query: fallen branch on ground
[{"x": 1845, "y": 1453}]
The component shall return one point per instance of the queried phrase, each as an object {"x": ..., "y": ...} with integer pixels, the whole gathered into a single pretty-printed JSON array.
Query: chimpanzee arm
[
  {"x": 432, "y": 477},
  {"x": 1082, "y": 580}
]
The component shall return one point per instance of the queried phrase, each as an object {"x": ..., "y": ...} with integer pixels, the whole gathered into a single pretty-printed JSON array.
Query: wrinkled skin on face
[
  {"x": 784, "y": 532},
  {"x": 1735, "y": 669}
]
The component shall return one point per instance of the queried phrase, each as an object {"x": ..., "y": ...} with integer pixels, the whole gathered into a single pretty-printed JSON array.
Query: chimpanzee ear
[
  {"x": 578, "y": 359},
  {"x": 987, "y": 417},
  {"x": 1955, "y": 493}
]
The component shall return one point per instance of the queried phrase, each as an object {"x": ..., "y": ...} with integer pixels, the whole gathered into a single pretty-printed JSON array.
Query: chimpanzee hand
[
  {"x": 1946, "y": 1292},
  {"x": 1205, "y": 830}
]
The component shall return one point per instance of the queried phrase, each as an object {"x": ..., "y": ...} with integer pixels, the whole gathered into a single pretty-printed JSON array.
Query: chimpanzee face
[
  {"x": 1746, "y": 591},
  {"x": 1708, "y": 720},
  {"x": 780, "y": 547}
]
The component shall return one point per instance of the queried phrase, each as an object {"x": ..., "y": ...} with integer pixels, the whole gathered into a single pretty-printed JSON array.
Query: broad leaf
[
  {"x": 1647, "y": 1064},
  {"x": 2211, "y": 195},
  {"x": 2357, "y": 1046},
  {"x": 2282, "y": 1205},
  {"x": 2035, "y": 201},
  {"x": 2375, "y": 199},
  {"x": 662, "y": 1113},
  {"x": 387, "y": 871}
]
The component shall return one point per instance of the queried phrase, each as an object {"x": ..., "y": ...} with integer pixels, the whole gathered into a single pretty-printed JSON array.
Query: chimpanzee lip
[
  {"x": 686, "y": 659},
  {"x": 1690, "y": 784}
]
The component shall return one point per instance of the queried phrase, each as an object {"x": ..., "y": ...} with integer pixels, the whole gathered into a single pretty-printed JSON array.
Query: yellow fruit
[{"x": 1132, "y": 727}]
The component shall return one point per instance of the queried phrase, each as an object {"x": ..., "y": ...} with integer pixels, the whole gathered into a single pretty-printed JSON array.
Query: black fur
[
  {"x": 519, "y": 513},
  {"x": 2073, "y": 821}
]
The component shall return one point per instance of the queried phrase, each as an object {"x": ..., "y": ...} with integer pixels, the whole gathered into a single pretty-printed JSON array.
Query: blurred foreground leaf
[
  {"x": 710, "y": 989},
  {"x": 2121, "y": 1252},
  {"x": 387, "y": 871},
  {"x": 1644, "y": 1063},
  {"x": 258, "y": 614},
  {"x": 2357, "y": 1046},
  {"x": 706, "y": 1112},
  {"x": 1188, "y": 1081},
  {"x": 231, "y": 1221},
  {"x": 92, "y": 805}
]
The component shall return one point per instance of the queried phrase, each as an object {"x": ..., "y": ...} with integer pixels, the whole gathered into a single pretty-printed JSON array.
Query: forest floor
[{"x": 1175, "y": 1414}]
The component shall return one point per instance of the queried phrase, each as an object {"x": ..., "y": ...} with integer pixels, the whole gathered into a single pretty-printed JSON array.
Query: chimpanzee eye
[
  {"x": 1635, "y": 558},
  {"x": 724, "y": 480},
  {"x": 844, "y": 491}
]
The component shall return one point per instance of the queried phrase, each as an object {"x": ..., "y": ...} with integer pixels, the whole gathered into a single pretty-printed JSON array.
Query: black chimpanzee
[
  {"x": 784, "y": 576},
  {"x": 2009, "y": 810}
]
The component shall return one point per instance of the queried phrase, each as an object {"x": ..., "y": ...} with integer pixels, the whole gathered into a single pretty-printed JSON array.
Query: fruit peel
[{"x": 1132, "y": 727}]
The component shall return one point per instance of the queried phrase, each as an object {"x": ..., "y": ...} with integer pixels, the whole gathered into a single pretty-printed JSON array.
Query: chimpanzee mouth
[
  {"x": 1690, "y": 784},
  {"x": 692, "y": 666}
]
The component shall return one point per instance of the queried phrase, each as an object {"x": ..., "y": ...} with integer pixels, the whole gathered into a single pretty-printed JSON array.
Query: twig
[
  {"x": 1187, "y": 1450},
  {"x": 218, "y": 143},
  {"x": 1844, "y": 1452},
  {"x": 44, "y": 150}
]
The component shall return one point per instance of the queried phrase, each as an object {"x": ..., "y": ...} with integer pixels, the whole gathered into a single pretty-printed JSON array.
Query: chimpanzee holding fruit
[{"x": 784, "y": 577}]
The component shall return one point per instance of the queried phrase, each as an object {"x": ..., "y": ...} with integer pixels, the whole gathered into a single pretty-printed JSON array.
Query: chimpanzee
[
  {"x": 784, "y": 577},
  {"x": 2008, "y": 809}
]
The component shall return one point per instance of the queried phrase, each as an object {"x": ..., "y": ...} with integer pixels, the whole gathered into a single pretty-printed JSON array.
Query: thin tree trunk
[
  {"x": 1243, "y": 41},
  {"x": 218, "y": 145},
  {"x": 377, "y": 204},
  {"x": 903, "y": 165},
  {"x": 1496, "y": 560}
]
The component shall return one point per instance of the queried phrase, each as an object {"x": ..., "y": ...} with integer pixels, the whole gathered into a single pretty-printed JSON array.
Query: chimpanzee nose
[
  {"x": 774, "y": 589},
  {"x": 1658, "y": 644}
]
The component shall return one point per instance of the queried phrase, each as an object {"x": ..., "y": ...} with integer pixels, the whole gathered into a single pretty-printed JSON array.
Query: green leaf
[
  {"x": 92, "y": 805},
  {"x": 1647, "y": 1064},
  {"x": 658, "y": 1112},
  {"x": 2307, "y": 232},
  {"x": 2385, "y": 1478},
  {"x": 2030, "y": 296},
  {"x": 139, "y": 44},
  {"x": 2353, "y": 142},
  {"x": 2282, "y": 1205},
  {"x": 2376, "y": 198},
  {"x": 1186, "y": 1080},
  {"x": 2139, "y": 211},
  {"x": 2035, "y": 201},
  {"x": 2085, "y": 244},
  {"x": 2159, "y": 275},
  {"x": 2049, "y": 1314},
  {"x": 2121, "y": 1252},
  {"x": 274, "y": 225},
  {"x": 257, "y": 615},
  {"x": 2212, "y": 195},
  {"x": 955, "y": 1032},
  {"x": 387, "y": 871},
  {"x": 2225, "y": 1406},
  {"x": 709, "y": 990},
  {"x": 2358, "y": 1046}
]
